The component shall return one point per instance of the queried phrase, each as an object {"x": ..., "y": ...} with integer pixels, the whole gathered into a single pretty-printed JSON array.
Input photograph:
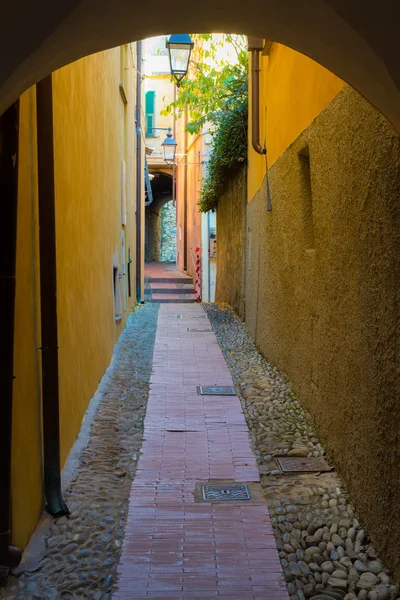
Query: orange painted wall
[
  {"x": 192, "y": 164},
  {"x": 293, "y": 91}
]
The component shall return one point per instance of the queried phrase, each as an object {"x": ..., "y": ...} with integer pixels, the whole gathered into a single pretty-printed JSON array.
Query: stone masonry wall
[
  {"x": 231, "y": 228},
  {"x": 168, "y": 232}
]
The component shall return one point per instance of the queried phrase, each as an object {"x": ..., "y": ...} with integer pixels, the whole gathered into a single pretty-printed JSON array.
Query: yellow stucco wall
[
  {"x": 89, "y": 148},
  {"x": 293, "y": 91},
  {"x": 93, "y": 134},
  {"x": 26, "y": 433}
]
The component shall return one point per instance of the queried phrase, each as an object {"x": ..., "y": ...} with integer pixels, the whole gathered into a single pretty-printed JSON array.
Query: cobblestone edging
[
  {"x": 324, "y": 551},
  {"x": 82, "y": 551}
]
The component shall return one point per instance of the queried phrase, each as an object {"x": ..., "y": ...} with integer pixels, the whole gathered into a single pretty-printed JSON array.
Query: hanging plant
[{"x": 228, "y": 154}]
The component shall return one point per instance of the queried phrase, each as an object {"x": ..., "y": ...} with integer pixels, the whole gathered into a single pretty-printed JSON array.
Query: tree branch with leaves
[{"x": 216, "y": 93}]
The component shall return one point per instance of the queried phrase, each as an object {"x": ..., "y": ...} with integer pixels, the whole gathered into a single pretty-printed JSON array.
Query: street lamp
[
  {"x": 179, "y": 49},
  {"x": 169, "y": 148}
]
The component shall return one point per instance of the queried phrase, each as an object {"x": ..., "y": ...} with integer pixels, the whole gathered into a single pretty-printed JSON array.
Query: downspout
[
  {"x": 185, "y": 197},
  {"x": 139, "y": 173},
  {"x": 9, "y": 131},
  {"x": 48, "y": 300},
  {"x": 174, "y": 164},
  {"x": 255, "y": 46},
  {"x": 209, "y": 256}
]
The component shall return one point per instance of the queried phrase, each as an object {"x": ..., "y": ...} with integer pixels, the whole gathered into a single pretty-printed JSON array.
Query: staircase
[{"x": 170, "y": 289}]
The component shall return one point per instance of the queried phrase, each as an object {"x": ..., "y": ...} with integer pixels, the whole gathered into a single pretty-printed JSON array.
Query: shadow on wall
[{"x": 153, "y": 232}]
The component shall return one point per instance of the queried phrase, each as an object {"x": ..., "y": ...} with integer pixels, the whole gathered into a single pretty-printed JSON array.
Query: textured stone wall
[
  {"x": 322, "y": 296},
  {"x": 231, "y": 228},
  {"x": 168, "y": 232},
  {"x": 326, "y": 265}
]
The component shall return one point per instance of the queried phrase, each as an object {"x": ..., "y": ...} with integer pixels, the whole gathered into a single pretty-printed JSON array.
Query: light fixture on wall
[
  {"x": 169, "y": 148},
  {"x": 179, "y": 48}
]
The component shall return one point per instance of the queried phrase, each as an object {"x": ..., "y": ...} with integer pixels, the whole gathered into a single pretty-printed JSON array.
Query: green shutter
[
  {"x": 150, "y": 102},
  {"x": 150, "y": 97}
]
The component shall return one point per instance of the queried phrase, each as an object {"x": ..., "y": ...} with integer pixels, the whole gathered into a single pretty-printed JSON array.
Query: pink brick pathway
[{"x": 176, "y": 545}]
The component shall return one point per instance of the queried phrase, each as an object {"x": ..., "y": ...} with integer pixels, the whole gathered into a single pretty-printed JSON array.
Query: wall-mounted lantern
[
  {"x": 179, "y": 47},
  {"x": 169, "y": 148},
  {"x": 255, "y": 46}
]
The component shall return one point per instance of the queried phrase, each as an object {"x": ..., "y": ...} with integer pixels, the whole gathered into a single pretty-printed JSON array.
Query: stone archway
[
  {"x": 162, "y": 196},
  {"x": 358, "y": 41}
]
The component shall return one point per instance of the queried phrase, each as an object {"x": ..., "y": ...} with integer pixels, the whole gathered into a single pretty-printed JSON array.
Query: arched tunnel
[{"x": 160, "y": 219}]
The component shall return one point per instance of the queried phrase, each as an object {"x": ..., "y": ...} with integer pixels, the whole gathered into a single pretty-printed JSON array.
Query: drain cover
[
  {"x": 191, "y": 316},
  {"x": 216, "y": 390},
  {"x": 199, "y": 329},
  {"x": 235, "y": 491},
  {"x": 291, "y": 464}
]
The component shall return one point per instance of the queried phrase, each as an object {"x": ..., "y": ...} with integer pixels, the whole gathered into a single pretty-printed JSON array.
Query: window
[{"x": 150, "y": 98}]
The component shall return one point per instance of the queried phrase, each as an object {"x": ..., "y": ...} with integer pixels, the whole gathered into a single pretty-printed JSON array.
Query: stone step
[
  {"x": 172, "y": 290},
  {"x": 168, "y": 280},
  {"x": 172, "y": 298}
]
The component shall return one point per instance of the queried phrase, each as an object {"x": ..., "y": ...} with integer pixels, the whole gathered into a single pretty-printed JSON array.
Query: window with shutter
[{"x": 150, "y": 98}]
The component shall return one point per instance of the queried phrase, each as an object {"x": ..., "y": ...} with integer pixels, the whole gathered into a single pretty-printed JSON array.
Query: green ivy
[
  {"x": 215, "y": 94},
  {"x": 228, "y": 154}
]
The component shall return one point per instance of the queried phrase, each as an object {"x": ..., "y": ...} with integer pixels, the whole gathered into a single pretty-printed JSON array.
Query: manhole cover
[
  {"x": 216, "y": 390},
  {"x": 235, "y": 491},
  {"x": 292, "y": 464},
  {"x": 198, "y": 329}
]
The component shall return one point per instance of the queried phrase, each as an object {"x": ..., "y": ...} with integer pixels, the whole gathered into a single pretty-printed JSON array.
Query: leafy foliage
[
  {"x": 213, "y": 81},
  {"x": 216, "y": 93},
  {"x": 228, "y": 154}
]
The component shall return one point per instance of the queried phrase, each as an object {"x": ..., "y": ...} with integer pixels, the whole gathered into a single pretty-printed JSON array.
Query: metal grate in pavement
[
  {"x": 216, "y": 390},
  {"x": 292, "y": 464},
  {"x": 234, "y": 491},
  {"x": 198, "y": 329}
]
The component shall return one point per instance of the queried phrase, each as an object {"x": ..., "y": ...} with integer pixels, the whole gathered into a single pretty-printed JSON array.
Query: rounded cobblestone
[
  {"x": 324, "y": 551},
  {"x": 82, "y": 551}
]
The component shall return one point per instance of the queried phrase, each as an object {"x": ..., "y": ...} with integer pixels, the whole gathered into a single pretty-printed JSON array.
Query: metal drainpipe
[
  {"x": 139, "y": 173},
  {"x": 174, "y": 164},
  {"x": 255, "y": 46},
  {"x": 209, "y": 256},
  {"x": 48, "y": 300},
  {"x": 185, "y": 198},
  {"x": 9, "y": 131}
]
